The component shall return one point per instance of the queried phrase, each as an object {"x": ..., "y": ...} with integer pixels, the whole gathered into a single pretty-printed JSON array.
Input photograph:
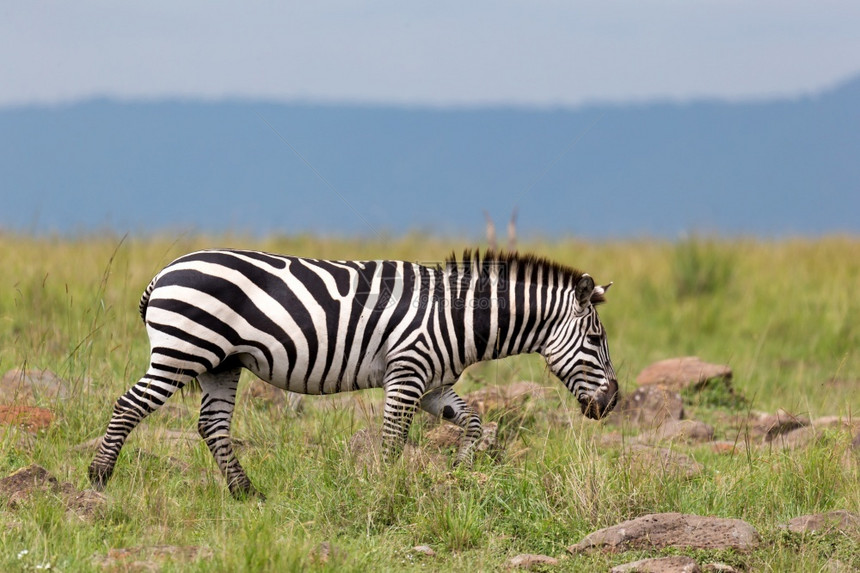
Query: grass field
[{"x": 785, "y": 315}]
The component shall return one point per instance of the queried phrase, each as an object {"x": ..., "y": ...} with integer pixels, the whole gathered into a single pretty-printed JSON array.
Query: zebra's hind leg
[
  {"x": 216, "y": 413},
  {"x": 446, "y": 403},
  {"x": 149, "y": 394}
]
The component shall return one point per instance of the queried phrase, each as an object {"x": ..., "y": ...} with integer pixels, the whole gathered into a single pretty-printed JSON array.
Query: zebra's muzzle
[{"x": 600, "y": 404}]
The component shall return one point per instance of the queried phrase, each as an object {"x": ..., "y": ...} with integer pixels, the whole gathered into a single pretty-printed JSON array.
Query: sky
[{"x": 526, "y": 53}]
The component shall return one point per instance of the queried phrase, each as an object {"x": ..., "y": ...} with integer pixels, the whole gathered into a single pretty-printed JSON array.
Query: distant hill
[{"x": 768, "y": 168}]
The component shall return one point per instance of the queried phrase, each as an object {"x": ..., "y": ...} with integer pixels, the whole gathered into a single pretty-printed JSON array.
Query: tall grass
[{"x": 783, "y": 314}]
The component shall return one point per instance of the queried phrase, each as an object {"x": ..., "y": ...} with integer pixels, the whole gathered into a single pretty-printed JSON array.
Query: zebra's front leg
[
  {"x": 403, "y": 390},
  {"x": 446, "y": 403},
  {"x": 216, "y": 413}
]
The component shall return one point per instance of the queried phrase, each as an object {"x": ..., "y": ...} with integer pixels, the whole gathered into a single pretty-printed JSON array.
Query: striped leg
[
  {"x": 216, "y": 413},
  {"x": 146, "y": 396},
  {"x": 446, "y": 403},
  {"x": 403, "y": 390}
]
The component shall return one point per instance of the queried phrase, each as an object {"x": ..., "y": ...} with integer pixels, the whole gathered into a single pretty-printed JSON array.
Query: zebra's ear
[
  {"x": 584, "y": 290},
  {"x": 598, "y": 296}
]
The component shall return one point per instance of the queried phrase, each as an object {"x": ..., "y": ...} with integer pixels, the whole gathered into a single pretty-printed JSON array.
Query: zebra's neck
[{"x": 499, "y": 308}]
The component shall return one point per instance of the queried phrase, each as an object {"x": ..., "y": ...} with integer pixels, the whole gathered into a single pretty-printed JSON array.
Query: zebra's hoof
[
  {"x": 246, "y": 492},
  {"x": 99, "y": 476}
]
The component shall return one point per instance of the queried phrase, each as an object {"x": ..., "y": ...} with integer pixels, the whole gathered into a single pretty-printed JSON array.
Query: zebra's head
[{"x": 577, "y": 352}]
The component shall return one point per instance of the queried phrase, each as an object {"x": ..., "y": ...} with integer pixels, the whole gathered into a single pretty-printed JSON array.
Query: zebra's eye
[{"x": 594, "y": 339}]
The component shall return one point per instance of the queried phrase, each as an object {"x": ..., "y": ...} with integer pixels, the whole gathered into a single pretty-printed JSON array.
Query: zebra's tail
[{"x": 144, "y": 299}]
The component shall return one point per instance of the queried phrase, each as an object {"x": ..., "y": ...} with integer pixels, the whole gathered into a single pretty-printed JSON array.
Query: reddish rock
[
  {"x": 649, "y": 406},
  {"x": 729, "y": 448},
  {"x": 661, "y": 530},
  {"x": 673, "y": 564},
  {"x": 680, "y": 373},
  {"x": 530, "y": 561},
  {"x": 29, "y": 418}
]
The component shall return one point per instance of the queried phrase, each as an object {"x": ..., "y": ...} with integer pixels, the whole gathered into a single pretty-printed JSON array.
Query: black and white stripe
[{"x": 322, "y": 327}]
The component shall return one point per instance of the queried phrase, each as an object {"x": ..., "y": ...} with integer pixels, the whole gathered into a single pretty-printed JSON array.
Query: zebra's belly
[{"x": 339, "y": 377}]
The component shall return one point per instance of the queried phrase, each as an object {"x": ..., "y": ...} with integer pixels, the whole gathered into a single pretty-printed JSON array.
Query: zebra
[{"x": 322, "y": 326}]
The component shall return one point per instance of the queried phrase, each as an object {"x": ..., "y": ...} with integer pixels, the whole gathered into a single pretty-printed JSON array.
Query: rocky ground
[{"x": 651, "y": 429}]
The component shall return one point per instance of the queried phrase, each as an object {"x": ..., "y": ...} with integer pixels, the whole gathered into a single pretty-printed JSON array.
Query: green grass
[{"x": 785, "y": 315}]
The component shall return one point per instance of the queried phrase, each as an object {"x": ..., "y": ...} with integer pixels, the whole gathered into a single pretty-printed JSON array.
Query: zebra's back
[{"x": 306, "y": 325}]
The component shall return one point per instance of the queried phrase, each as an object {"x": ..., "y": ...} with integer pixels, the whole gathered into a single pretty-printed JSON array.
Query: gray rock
[
  {"x": 510, "y": 397},
  {"x": 673, "y": 564},
  {"x": 839, "y": 520},
  {"x": 795, "y": 439},
  {"x": 31, "y": 386},
  {"x": 661, "y": 530},
  {"x": 660, "y": 461},
  {"x": 680, "y": 373},
  {"x": 19, "y": 486},
  {"x": 265, "y": 393},
  {"x": 689, "y": 431},
  {"x": 424, "y": 550},
  {"x": 769, "y": 426},
  {"x": 151, "y": 558},
  {"x": 649, "y": 406},
  {"x": 719, "y": 568}
]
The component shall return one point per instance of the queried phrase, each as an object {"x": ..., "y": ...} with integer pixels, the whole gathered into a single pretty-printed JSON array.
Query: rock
[
  {"x": 836, "y": 423},
  {"x": 29, "y": 418},
  {"x": 325, "y": 552},
  {"x": 20, "y": 485},
  {"x": 679, "y": 373},
  {"x": 839, "y": 520},
  {"x": 795, "y": 439},
  {"x": 661, "y": 530},
  {"x": 531, "y": 561},
  {"x": 768, "y": 426},
  {"x": 263, "y": 392},
  {"x": 489, "y": 440},
  {"x": 30, "y": 386},
  {"x": 365, "y": 448},
  {"x": 444, "y": 436},
  {"x": 719, "y": 568},
  {"x": 447, "y": 436},
  {"x": 424, "y": 550},
  {"x": 730, "y": 448},
  {"x": 87, "y": 504},
  {"x": 649, "y": 406},
  {"x": 510, "y": 397},
  {"x": 834, "y": 565},
  {"x": 149, "y": 558},
  {"x": 673, "y": 564},
  {"x": 679, "y": 430},
  {"x": 660, "y": 461}
]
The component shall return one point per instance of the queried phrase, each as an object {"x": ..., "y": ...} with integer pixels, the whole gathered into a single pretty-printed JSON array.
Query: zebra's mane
[{"x": 524, "y": 264}]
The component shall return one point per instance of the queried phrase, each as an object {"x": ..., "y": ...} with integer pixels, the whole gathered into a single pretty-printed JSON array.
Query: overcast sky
[{"x": 533, "y": 52}]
